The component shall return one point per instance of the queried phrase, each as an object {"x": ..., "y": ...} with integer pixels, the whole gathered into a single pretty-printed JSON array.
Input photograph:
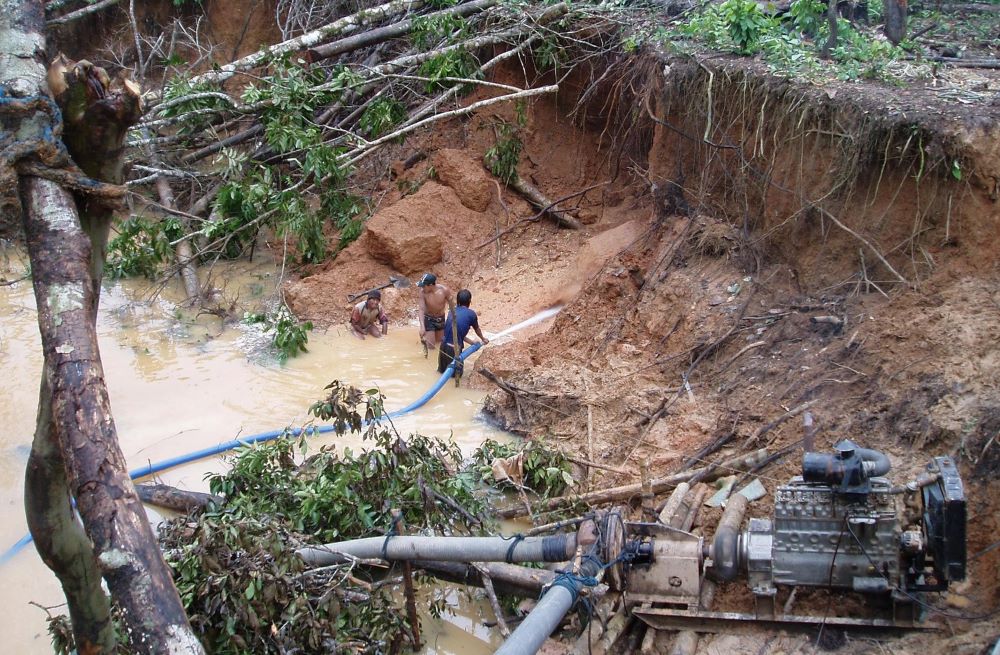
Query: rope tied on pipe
[
  {"x": 392, "y": 532},
  {"x": 516, "y": 539},
  {"x": 571, "y": 582}
]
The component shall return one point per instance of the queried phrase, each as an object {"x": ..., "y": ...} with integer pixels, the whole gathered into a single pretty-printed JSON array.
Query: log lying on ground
[
  {"x": 540, "y": 200},
  {"x": 397, "y": 29},
  {"x": 508, "y": 579},
  {"x": 179, "y": 500},
  {"x": 615, "y": 494},
  {"x": 344, "y": 25}
]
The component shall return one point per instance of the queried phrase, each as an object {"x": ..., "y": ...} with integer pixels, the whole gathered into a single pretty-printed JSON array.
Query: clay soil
[{"x": 686, "y": 321}]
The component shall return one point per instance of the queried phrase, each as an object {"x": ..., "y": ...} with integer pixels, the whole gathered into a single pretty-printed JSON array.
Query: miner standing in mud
[
  {"x": 432, "y": 299},
  {"x": 466, "y": 319},
  {"x": 368, "y": 315}
]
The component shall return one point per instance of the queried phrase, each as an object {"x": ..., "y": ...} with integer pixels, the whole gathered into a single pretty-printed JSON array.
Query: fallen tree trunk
[
  {"x": 616, "y": 494},
  {"x": 540, "y": 200},
  {"x": 396, "y": 29},
  {"x": 344, "y": 25},
  {"x": 178, "y": 500},
  {"x": 507, "y": 578},
  {"x": 182, "y": 251}
]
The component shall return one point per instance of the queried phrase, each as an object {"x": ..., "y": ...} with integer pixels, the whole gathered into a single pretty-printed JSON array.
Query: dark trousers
[{"x": 446, "y": 353}]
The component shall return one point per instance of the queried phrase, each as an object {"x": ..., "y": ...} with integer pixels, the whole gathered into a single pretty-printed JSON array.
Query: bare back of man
[{"x": 433, "y": 299}]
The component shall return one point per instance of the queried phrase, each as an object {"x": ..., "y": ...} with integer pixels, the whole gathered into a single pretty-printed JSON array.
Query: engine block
[{"x": 821, "y": 538}]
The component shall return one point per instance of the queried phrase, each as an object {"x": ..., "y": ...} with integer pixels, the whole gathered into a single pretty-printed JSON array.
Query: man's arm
[
  {"x": 356, "y": 323},
  {"x": 384, "y": 320},
  {"x": 422, "y": 306},
  {"x": 479, "y": 333}
]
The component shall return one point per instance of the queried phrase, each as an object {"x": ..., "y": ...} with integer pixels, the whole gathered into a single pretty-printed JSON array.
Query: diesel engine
[{"x": 842, "y": 525}]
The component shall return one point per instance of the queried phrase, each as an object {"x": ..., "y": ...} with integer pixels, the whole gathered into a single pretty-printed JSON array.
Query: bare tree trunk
[
  {"x": 61, "y": 540},
  {"x": 182, "y": 252},
  {"x": 895, "y": 20},
  {"x": 113, "y": 516},
  {"x": 179, "y": 500},
  {"x": 76, "y": 453}
]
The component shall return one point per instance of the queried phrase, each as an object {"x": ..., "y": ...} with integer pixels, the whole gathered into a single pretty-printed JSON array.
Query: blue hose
[{"x": 218, "y": 449}]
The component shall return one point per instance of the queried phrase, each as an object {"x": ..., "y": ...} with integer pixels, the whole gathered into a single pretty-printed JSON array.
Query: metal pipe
[
  {"x": 556, "y": 548},
  {"x": 724, "y": 549},
  {"x": 539, "y": 624},
  {"x": 558, "y": 600}
]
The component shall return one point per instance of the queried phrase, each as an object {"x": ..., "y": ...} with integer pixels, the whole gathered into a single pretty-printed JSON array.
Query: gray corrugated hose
[{"x": 558, "y": 548}]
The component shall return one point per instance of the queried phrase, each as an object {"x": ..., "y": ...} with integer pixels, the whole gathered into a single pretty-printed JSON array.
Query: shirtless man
[
  {"x": 432, "y": 299},
  {"x": 368, "y": 315}
]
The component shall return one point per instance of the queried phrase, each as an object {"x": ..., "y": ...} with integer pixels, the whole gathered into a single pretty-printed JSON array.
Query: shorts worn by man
[
  {"x": 432, "y": 299},
  {"x": 368, "y": 315},
  {"x": 467, "y": 319}
]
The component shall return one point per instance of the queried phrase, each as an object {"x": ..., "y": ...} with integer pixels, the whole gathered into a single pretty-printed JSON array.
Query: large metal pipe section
[
  {"x": 539, "y": 624},
  {"x": 559, "y": 599},
  {"x": 725, "y": 547},
  {"x": 557, "y": 548}
]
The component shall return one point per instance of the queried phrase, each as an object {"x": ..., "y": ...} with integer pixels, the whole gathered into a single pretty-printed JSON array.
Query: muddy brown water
[{"x": 180, "y": 384}]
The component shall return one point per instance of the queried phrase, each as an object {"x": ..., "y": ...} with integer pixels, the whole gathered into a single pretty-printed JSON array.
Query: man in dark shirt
[{"x": 466, "y": 319}]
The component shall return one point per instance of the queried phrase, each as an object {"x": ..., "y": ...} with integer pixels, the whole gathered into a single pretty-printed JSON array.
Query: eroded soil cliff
[{"x": 751, "y": 249}]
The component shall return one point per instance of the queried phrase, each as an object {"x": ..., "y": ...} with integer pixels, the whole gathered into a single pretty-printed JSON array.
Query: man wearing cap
[
  {"x": 467, "y": 319},
  {"x": 367, "y": 316},
  {"x": 432, "y": 299}
]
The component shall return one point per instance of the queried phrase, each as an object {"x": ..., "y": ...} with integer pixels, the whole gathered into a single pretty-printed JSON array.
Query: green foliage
[
  {"x": 502, "y": 158},
  {"x": 239, "y": 204},
  {"x": 350, "y": 233},
  {"x": 140, "y": 246},
  {"x": 340, "y": 207},
  {"x": 428, "y": 31},
  {"x": 288, "y": 335},
  {"x": 546, "y": 471},
  {"x": 247, "y": 205},
  {"x": 381, "y": 116},
  {"x": 741, "y": 26},
  {"x": 746, "y": 24},
  {"x": 807, "y": 15},
  {"x": 343, "y": 211},
  {"x": 860, "y": 57},
  {"x": 303, "y": 225},
  {"x": 245, "y": 590},
  {"x": 550, "y": 53},
  {"x": 259, "y": 195},
  {"x": 456, "y": 63},
  {"x": 341, "y": 406},
  {"x": 244, "y": 587},
  {"x": 181, "y": 87},
  {"x": 334, "y": 496}
]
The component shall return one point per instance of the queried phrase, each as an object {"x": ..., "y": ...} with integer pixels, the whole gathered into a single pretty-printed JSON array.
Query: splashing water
[{"x": 537, "y": 318}]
